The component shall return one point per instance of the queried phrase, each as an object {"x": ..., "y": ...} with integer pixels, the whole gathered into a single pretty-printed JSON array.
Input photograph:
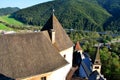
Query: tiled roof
[
  {"x": 23, "y": 55},
  {"x": 96, "y": 76},
  {"x": 77, "y": 46}
]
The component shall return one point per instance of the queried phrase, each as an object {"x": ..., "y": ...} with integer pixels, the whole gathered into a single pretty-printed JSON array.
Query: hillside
[
  {"x": 9, "y": 20},
  {"x": 77, "y": 14},
  {"x": 113, "y": 7},
  {"x": 3, "y": 27},
  {"x": 8, "y": 23},
  {"x": 8, "y": 10}
]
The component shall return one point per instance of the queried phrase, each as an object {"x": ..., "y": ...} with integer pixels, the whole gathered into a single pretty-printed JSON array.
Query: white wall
[
  {"x": 99, "y": 70},
  {"x": 69, "y": 54},
  {"x": 61, "y": 73}
]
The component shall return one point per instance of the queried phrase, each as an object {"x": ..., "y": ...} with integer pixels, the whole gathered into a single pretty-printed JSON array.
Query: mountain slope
[
  {"x": 77, "y": 14},
  {"x": 9, "y": 20},
  {"x": 113, "y": 7},
  {"x": 8, "y": 10}
]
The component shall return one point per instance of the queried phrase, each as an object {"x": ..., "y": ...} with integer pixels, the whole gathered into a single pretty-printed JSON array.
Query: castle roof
[
  {"x": 62, "y": 41},
  {"x": 29, "y": 54},
  {"x": 77, "y": 46}
]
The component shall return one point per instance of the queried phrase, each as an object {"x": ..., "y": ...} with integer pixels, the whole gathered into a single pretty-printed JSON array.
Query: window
[
  {"x": 96, "y": 67},
  {"x": 43, "y": 78},
  {"x": 96, "y": 62},
  {"x": 64, "y": 56}
]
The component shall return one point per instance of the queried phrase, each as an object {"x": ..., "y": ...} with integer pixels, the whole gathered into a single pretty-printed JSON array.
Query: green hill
[
  {"x": 8, "y": 10},
  {"x": 8, "y": 23},
  {"x": 3, "y": 27},
  {"x": 10, "y": 20},
  {"x": 77, "y": 14},
  {"x": 113, "y": 7}
]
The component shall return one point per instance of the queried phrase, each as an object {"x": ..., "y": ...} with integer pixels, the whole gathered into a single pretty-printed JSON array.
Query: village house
[
  {"x": 45, "y": 55},
  {"x": 88, "y": 69}
]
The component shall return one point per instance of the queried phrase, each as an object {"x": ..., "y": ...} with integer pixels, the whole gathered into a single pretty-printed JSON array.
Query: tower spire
[
  {"x": 53, "y": 11},
  {"x": 97, "y": 57},
  {"x": 97, "y": 62}
]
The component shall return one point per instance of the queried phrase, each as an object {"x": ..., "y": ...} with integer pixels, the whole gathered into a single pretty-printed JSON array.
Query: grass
[
  {"x": 11, "y": 21},
  {"x": 3, "y": 27}
]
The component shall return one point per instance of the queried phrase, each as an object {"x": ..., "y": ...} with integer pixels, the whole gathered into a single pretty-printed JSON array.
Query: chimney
[{"x": 52, "y": 35}]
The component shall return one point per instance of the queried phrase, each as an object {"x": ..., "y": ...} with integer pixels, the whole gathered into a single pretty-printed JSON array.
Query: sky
[{"x": 20, "y": 3}]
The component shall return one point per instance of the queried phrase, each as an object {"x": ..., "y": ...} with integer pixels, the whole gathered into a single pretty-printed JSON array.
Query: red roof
[{"x": 77, "y": 46}]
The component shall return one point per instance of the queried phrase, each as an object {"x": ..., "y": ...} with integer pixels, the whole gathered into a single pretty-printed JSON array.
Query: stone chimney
[{"x": 52, "y": 36}]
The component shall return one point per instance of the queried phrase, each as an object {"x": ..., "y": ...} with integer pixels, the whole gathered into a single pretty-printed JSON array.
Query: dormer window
[
  {"x": 64, "y": 56},
  {"x": 43, "y": 78},
  {"x": 96, "y": 67},
  {"x": 96, "y": 62}
]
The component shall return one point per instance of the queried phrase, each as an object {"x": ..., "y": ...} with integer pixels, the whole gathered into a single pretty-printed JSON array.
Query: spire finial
[{"x": 53, "y": 10}]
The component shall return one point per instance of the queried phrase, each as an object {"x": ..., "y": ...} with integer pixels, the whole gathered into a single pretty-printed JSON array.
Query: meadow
[
  {"x": 3, "y": 27},
  {"x": 10, "y": 20}
]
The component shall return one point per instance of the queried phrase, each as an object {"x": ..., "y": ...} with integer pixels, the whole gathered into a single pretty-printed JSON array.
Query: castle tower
[
  {"x": 97, "y": 62},
  {"x": 79, "y": 49}
]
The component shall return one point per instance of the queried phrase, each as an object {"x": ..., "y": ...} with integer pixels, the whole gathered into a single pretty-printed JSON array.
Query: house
[
  {"x": 45, "y": 55},
  {"x": 87, "y": 70}
]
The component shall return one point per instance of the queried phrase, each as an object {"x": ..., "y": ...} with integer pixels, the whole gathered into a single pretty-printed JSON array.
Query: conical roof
[
  {"x": 62, "y": 41},
  {"x": 77, "y": 46}
]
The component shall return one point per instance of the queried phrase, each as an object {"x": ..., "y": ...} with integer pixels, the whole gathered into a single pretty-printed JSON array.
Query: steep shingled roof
[
  {"x": 23, "y": 55},
  {"x": 62, "y": 41},
  {"x": 97, "y": 57},
  {"x": 77, "y": 46}
]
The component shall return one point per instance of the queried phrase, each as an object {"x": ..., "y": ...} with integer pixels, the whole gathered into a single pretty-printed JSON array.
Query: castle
[
  {"x": 88, "y": 69},
  {"x": 45, "y": 55}
]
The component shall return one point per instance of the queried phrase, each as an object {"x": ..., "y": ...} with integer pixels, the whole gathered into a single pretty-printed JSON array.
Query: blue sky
[{"x": 20, "y": 3}]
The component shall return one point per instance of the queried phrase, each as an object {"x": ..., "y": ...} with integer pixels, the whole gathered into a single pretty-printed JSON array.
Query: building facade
[{"x": 46, "y": 55}]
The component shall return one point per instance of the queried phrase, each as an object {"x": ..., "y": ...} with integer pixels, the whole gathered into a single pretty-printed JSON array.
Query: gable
[{"x": 62, "y": 40}]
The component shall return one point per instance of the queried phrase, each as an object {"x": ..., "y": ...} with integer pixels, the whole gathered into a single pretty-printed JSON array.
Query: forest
[
  {"x": 89, "y": 21},
  {"x": 92, "y": 15},
  {"x": 109, "y": 50},
  {"x": 8, "y": 10}
]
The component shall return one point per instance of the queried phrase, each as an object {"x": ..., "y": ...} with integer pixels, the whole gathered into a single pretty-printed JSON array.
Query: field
[
  {"x": 3, "y": 27},
  {"x": 10, "y": 20},
  {"x": 7, "y": 23}
]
